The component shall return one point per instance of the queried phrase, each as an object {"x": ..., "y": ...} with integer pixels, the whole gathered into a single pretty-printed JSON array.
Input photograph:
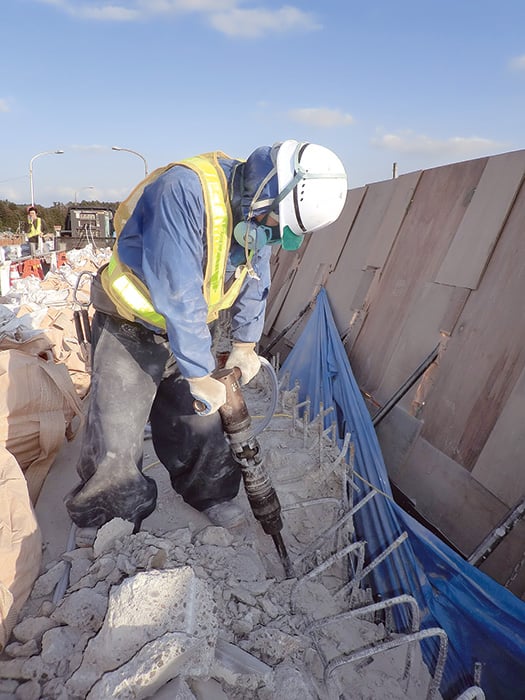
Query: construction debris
[{"x": 200, "y": 612}]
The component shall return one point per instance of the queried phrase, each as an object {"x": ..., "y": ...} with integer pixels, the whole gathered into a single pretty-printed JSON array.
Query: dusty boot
[{"x": 227, "y": 514}]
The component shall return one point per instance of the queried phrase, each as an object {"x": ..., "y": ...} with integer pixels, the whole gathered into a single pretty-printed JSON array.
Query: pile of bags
[{"x": 44, "y": 374}]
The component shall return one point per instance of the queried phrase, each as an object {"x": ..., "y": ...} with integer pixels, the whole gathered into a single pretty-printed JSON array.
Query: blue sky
[{"x": 417, "y": 82}]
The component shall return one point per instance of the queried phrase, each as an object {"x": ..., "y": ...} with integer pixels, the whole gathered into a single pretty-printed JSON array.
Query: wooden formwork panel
[
  {"x": 449, "y": 497},
  {"x": 284, "y": 268},
  {"x": 346, "y": 278},
  {"x": 500, "y": 464},
  {"x": 484, "y": 219},
  {"x": 403, "y": 298},
  {"x": 485, "y": 355},
  {"x": 317, "y": 259},
  {"x": 403, "y": 192}
]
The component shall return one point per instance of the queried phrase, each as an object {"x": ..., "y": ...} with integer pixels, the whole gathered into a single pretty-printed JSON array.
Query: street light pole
[
  {"x": 44, "y": 153},
  {"x": 89, "y": 187},
  {"x": 119, "y": 148}
]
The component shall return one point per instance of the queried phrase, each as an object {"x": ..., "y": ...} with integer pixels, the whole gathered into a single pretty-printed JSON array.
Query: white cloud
[
  {"x": 320, "y": 116},
  {"x": 409, "y": 143},
  {"x": 249, "y": 24},
  {"x": 4, "y": 105},
  {"x": 114, "y": 13},
  {"x": 226, "y": 16},
  {"x": 518, "y": 63}
]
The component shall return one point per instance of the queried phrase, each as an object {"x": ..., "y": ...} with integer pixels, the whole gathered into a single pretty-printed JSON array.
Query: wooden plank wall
[{"x": 433, "y": 258}]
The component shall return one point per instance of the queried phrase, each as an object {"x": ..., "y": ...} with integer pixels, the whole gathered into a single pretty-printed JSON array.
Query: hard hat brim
[{"x": 285, "y": 171}]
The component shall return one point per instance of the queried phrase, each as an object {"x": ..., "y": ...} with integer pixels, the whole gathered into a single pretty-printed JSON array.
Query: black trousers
[{"x": 135, "y": 377}]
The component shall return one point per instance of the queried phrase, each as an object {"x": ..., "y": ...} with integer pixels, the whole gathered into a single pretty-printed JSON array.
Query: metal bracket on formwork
[
  {"x": 368, "y": 610},
  {"x": 372, "y": 650}
]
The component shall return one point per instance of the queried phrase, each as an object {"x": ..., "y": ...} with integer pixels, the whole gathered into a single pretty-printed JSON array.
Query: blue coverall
[{"x": 139, "y": 373}]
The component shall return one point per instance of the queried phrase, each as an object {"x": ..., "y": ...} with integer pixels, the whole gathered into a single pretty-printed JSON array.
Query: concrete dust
[{"x": 186, "y": 610}]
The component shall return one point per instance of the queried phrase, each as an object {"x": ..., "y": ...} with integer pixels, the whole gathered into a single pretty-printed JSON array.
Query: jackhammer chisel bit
[{"x": 246, "y": 451}]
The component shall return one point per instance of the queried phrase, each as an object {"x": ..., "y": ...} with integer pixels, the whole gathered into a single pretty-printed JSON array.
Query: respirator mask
[{"x": 254, "y": 236}]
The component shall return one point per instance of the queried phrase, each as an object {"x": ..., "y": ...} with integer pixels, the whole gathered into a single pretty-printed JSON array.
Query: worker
[
  {"x": 35, "y": 229},
  {"x": 193, "y": 238}
]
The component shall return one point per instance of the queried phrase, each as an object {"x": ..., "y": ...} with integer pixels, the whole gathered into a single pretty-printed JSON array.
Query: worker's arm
[
  {"x": 249, "y": 308},
  {"x": 164, "y": 243},
  {"x": 248, "y": 317}
]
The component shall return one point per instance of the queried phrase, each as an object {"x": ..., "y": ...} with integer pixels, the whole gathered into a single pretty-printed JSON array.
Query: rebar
[
  {"x": 360, "y": 546},
  {"x": 381, "y": 557},
  {"x": 368, "y": 652},
  {"x": 338, "y": 524},
  {"x": 374, "y": 607}
]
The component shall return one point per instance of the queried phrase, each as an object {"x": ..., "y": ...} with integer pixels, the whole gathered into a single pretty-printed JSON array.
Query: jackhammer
[{"x": 246, "y": 451}]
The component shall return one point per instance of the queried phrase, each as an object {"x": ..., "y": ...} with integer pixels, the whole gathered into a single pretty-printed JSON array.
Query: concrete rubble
[
  {"x": 197, "y": 612},
  {"x": 202, "y": 612}
]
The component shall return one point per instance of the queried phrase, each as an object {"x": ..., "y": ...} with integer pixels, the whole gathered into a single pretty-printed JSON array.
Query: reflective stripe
[
  {"x": 127, "y": 291},
  {"x": 126, "y": 285}
]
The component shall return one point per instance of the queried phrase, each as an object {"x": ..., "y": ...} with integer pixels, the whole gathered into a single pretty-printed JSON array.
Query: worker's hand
[
  {"x": 244, "y": 357},
  {"x": 209, "y": 392}
]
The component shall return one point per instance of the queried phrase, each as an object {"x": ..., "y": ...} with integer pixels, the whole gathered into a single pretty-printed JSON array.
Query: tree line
[{"x": 13, "y": 216}]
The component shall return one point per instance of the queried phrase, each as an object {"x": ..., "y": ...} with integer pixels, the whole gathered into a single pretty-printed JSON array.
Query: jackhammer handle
[{"x": 219, "y": 374}]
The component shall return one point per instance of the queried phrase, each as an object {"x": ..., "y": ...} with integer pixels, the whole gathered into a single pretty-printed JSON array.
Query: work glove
[
  {"x": 244, "y": 357},
  {"x": 209, "y": 392}
]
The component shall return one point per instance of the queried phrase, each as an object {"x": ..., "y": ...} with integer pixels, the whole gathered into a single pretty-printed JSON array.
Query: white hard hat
[{"x": 312, "y": 190}]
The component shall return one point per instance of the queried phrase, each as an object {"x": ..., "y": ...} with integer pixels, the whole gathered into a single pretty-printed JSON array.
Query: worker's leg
[
  {"x": 128, "y": 364},
  {"x": 192, "y": 448}
]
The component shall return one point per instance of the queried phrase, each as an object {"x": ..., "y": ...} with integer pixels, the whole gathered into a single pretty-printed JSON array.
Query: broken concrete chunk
[
  {"x": 239, "y": 668},
  {"x": 17, "y": 649},
  {"x": 84, "y": 609},
  {"x": 159, "y": 661},
  {"x": 28, "y": 691},
  {"x": 273, "y": 645},
  {"x": 110, "y": 532},
  {"x": 57, "y": 644},
  {"x": 45, "y": 584},
  {"x": 142, "y": 609},
  {"x": 32, "y": 628},
  {"x": 214, "y": 535}
]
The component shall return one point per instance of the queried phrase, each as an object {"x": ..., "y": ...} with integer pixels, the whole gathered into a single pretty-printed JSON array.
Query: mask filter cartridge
[{"x": 257, "y": 235}]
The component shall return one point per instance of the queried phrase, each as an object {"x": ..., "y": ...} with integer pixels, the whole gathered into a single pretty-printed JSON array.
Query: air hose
[{"x": 274, "y": 397}]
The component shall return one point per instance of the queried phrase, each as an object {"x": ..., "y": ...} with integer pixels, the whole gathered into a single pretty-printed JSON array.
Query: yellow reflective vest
[
  {"x": 131, "y": 296},
  {"x": 35, "y": 227}
]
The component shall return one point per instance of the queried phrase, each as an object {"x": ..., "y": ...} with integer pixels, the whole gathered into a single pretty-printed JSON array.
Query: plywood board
[
  {"x": 483, "y": 221},
  {"x": 421, "y": 244},
  {"x": 324, "y": 248},
  {"x": 485, "y": 355},
  {"x": 449, "y": 497},
  {"x": 348, "y": 273},
  {"x": 418, "y": 337},
  {"x": 500, "y": 465},
  {"x": 284, "y": 268},
  {"x": 403, "y": 192}
]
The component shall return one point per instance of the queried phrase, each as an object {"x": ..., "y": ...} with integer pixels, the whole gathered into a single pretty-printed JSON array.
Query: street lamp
[
  {"x": 119, "y": 148},
  {"x": 44, "y": 153},
  {"x": 89, "y": 187}
]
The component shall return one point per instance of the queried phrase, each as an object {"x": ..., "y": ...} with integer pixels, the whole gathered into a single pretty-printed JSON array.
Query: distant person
[{"x": 35, "y": 229}]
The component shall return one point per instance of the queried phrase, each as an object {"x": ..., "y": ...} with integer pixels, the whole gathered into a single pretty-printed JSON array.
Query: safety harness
[{"x": 131, "y": 296}]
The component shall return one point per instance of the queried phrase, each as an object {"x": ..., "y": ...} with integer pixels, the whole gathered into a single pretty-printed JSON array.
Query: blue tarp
[{"x": 485, "y": 623}]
